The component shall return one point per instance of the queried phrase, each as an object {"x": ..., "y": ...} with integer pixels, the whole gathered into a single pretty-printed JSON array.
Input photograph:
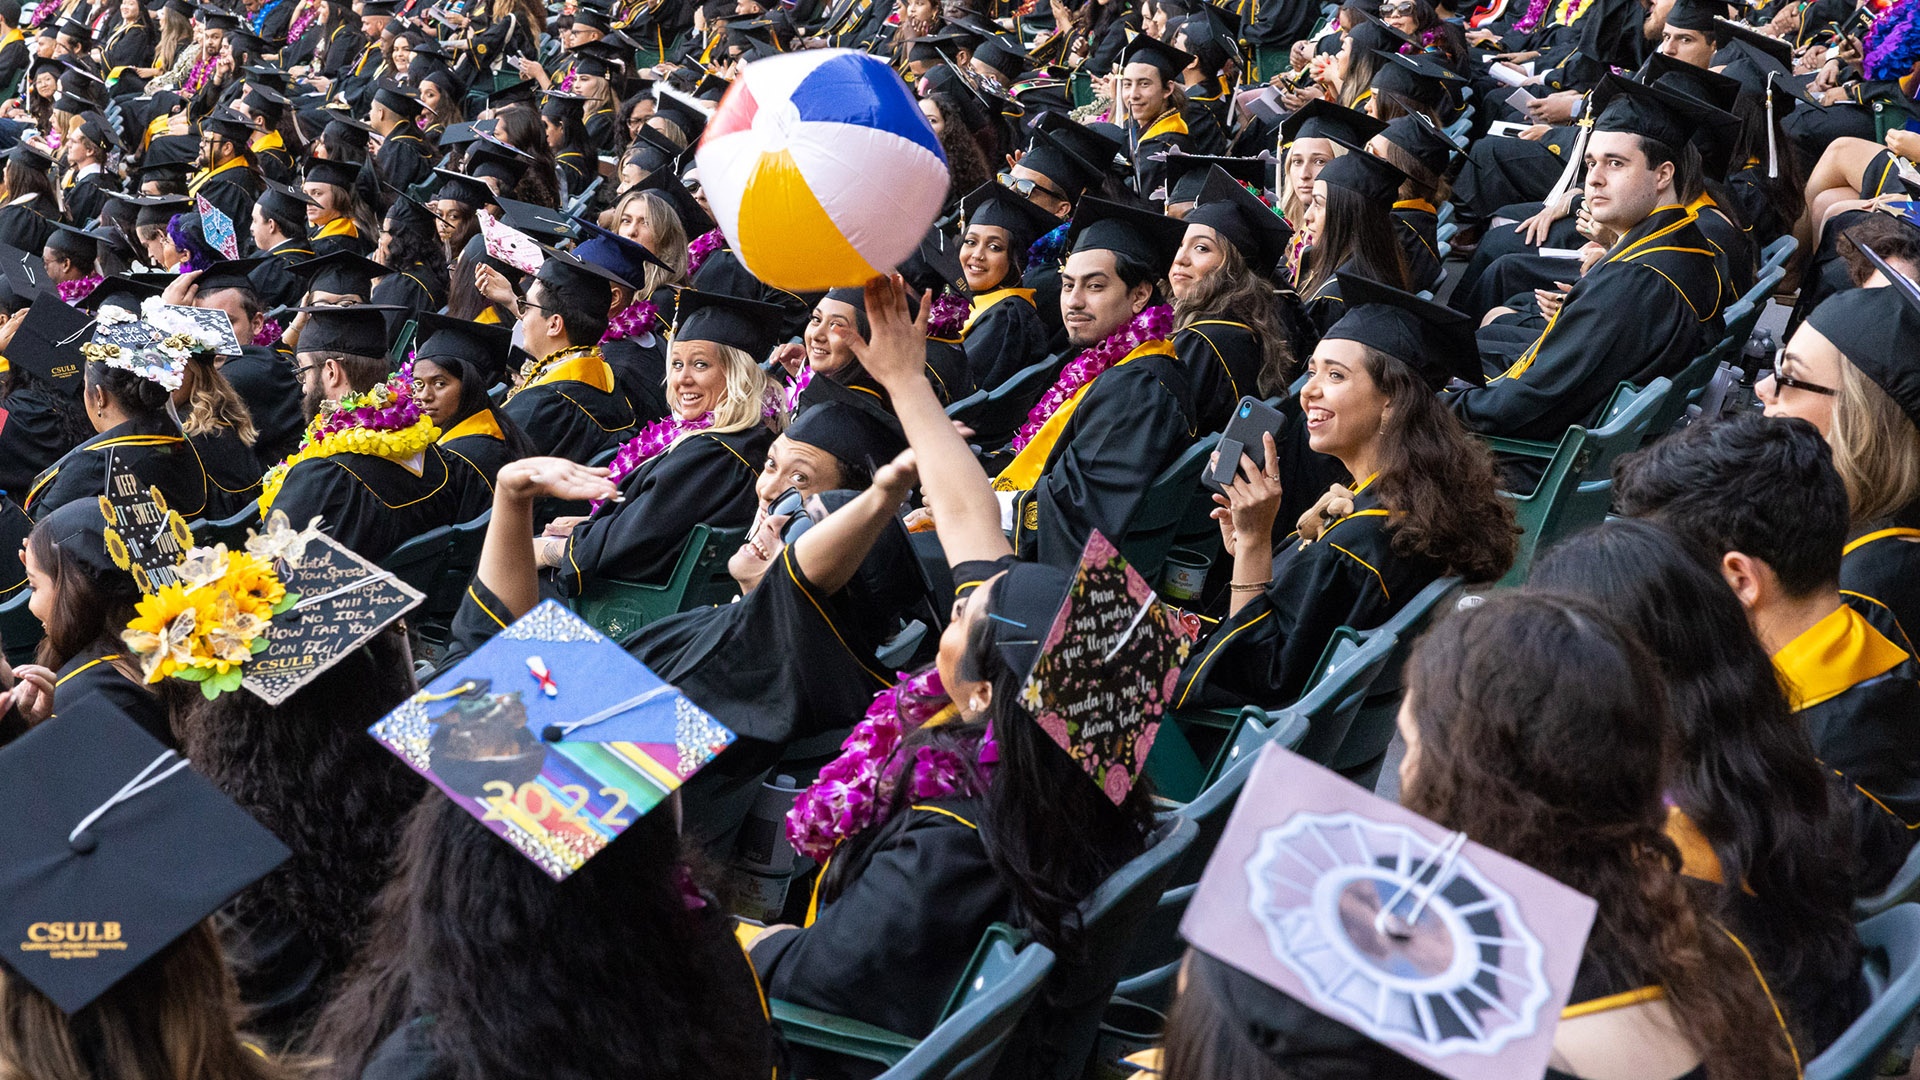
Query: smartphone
[{"x": 1252, "y": 418}]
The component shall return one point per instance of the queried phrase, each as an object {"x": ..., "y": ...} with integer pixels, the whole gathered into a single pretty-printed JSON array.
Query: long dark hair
[
  {"x": 1358, "y": 234},
  {"x": 93, "y": 607},
  {"x": 143, "y": 400},
  {"x": 474, "y": 935},
  {"x": 474, "y": 398},
  {"x": 1438, "y": 480},
  {"x": 966, "y": 163},
  {"x": 1746, "y": 774},
  {"x": 69, "y": 411},
  {"x": 1785, "y": 193},
  {"x": 521, "y": 127},
  {"x": 1233, "y": 291},
  {"x": 1050, "y": 833},
  {"x": 1543, "y": 734}
]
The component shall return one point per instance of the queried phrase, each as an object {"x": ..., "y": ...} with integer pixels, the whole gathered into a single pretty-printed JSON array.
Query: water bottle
[{"x": 762, "y": 855}]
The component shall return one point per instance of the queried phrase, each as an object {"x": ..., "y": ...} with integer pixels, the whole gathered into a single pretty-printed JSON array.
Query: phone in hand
[{"x": 1252, "y": 418}]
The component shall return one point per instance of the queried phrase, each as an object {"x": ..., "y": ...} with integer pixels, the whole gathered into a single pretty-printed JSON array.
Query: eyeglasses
[
  {"x": 1026, "y": 188},
  {"x": 1782, "y": 379},
  {"x": 521, "y": 306},
  {"x": 1389, "y": 11}
]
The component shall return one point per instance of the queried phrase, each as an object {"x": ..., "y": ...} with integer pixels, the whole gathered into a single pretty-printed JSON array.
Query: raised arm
[
  {"x": 964, "y": 507},
  {"x": 506, "y": 559},
  {"x": 831, "y": 552}
]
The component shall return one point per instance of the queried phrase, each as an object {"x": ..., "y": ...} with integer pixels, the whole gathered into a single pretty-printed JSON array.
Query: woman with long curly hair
[
  {"x": 470, "y": 972},
  {"x": 1225, "y": 327},
  {"x": 1423, "y": 502},
  {"x": 1751, "y": 809},
  {"x": 307, "y": 771},
  {"x": 520, "y": 127},
  {"x": 1537, "y": 727},
  {"x": 966, "y": 164}
]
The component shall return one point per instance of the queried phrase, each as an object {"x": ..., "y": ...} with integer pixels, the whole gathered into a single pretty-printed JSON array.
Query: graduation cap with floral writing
[
  {"x": 554, "y": 737},
  {"x": 1106, "y": 670}
]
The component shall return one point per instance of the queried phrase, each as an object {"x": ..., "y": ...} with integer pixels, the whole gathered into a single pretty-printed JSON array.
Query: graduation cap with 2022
[
  {"x": 1434, "y": 340},
  {"x": 1349, "y": 929},
  {"x": 554, "y": 737},
  {"x": 116, "y": 849}
]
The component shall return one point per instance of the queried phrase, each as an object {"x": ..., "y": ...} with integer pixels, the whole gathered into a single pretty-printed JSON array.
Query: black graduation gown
[
  {"x": 1004, "y": 335},
  {"x": 264, "y": 379},
  {"x": 1170, "y": 132},
  {"x": 639, "y": 366},
  {"x": 274, "y": 161},
  {"x": 273, "y": 283},
  {"x": 370, "y": 504},
  {"x": 1504, "y": 170},
  {"x": 14, "y": 527},
  {"x": 130, "y": 46},
  {"x": 167, "y": 462},
  {"x": 84, "y": 198},
  {"x": 1416, "y": 226},
  {"x": 232, "y": 190},
  {"x": 890, "y": 948},
  {"x": 948, "y": 369},
  {"x": 31, "y": 437},
  {"x": 1665, "y": 274},
  {"x": 1222, "y": 359},
  {"x": 25, "y": 223},
  {"x": 576, "y": 170},
  {"x": 343, "y": 46},
  {"x": 404, "y": 158},
  {"x": 599, "y": 135},
  {"x": 92, "y": 677},
  {"x": 415, "y": 288},
  {"x": 571, "y": 419},
  {"x": 706, "y": 478},
  {"x": 475, "y": 451},
  {"x": 233, "y": 473},
  {"x": 1883, "y": 565},
  {"x": 1351, "y": 576},
  {"x": 1131, "y": 422},
  {"x": 13, "y": 64}
]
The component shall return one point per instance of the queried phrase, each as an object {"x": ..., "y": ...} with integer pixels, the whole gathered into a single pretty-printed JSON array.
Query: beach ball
[{"x": 821, "y": 170}]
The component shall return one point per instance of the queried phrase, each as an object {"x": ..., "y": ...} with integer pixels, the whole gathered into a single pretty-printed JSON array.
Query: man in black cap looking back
[{"x": 568, "y": 400}]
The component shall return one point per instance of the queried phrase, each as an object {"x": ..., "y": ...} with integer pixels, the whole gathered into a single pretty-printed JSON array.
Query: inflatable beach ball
[{"x": 821, "y": 170}]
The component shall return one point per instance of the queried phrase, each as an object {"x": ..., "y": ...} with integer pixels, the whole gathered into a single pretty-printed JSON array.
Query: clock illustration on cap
[{"x": 1396, "y": 935}]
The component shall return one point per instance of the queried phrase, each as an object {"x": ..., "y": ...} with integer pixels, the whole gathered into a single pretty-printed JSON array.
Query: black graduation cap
[
  {"x": 357, "y": 330},
  {"x": 1414, "y": 77},
  {"x": 217, "y": 18},
  {"x": 1322, "y": 119},
  {"x": 599, "y": 59},
  {"x": 851, "y": 425},
  {"x": 1428, "y": 145},
  {"x": 397, "y": 99},
  {"x": 120, "y": 290},
  {"x": 407, "y": 212},
  {"x": 511, "y": 93},
  {"x": 653, "y": 151},
  {"x": 343, "y": 273},
  {"x": 1696, "y": 14},
  {"x": 379, "y": 7},
  {"x": 1436, "y": 341},
  {"x": 459, "y": 134},
  {"x": 492, "y": 158},
  {"x": 1002, "y": 54},
  {"x": 555, "y": 105},
  {"x": 341, "y": 174},
  {"x": 116, "y": 850},
  {"x": 625, "y": 258},
  {"x": 29, "y": 156},
  {"x": 462, "y": 188},
  {"x": 229, "y": 125},
  {"x": 1150, "y": 238},
  {"x": 1238, "y": 215},
  {"x": 542, "y": 222},
  {"x": 1875, "y": 330},
  {"x": 1187, "y": 173},
  {"x": 161, "y": 171},
  {"x": 584, "y": 281},
  {"x": 69, "y": 240},
  {"x": 592, "y": 18},
  {"x": 992, "y": 204},
  {"x": 711, "y": 87},
  {"x": 273, "y": 78},
  {"x": 482, "y": 348},
  {"x": 747, "y": 325},
  {"x": 47, "y": 344},
  {"x": 1372, "y": 178},
  {"x": 1166, "y": 59},
  {"x": 283, "y": 202},
  {"x": 155, "y": 209},
  {"x": 1696, "y": 82},
  {"x": 1654, "y": 112},
  {"x": 75, "y": 29},
  {"x": 1729, "y": 34},
  {"x": 694, "y": 220},
  {"x": 935, "y": 264}
]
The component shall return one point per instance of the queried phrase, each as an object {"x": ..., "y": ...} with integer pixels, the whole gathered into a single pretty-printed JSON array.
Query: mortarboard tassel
[{"x": 1773, "y": 152}]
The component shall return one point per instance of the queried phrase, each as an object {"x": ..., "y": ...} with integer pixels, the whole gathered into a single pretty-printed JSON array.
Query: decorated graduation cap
[
  {"x": 1104, "y": 665},
  {"x": 482, "y": 349},
  {"x": 141, "y": 534},
  {"x": 1696, "y": 14},
  {"x": 580, "y": 279},
  {"x": 343, "y": 273},
  {"x": 1374, "y": 179},
  {"x": 1415, "y": 77},
  {"x": 1241, "y": 219},
  {"x": 1187, "y": 173},
  {"x": 340, "y": 174},
  {"x": 156, "y": 343},
  {"x": 1322, "y": 119},
  {"x": 850, "y": 424},
  {"x": 47, "y": 344},
  {"x": 1875, "y": 330},
  {"x": 397, "y": 99},
  {"x": 116, "y": 850},
  {"x": 1146, "y": 237},
  {"x": 604, "y": 248},
  {"x": 355, "y": 329},
  {"x": 1434, "y": 340},
  {"x": 992, "y": 204},
  {"x": 554, "y": 737},
  {"x": 1164, "y": 58},
  {"x": 1338, "y": 927},
  {"x": 747, "y": 325}
]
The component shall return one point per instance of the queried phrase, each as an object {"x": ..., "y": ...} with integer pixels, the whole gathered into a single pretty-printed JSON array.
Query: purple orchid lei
[
  {"x": 702, "y": 246},
  {"x": 1150, "y": 325},
  {"x": 1893, "y": 42},
  {"x": 652, "y": 439},
  {"x": 633, "y": 319},
  {"x": 390, "y": 406},
  {"x": 197, "y": 78},
  {"x": 303, "y": 17},
  {"x": 72, "y": 291},
  {"x": 1525, "y": 23},
  {"x": 854, "y": 790},
  {"x": 949, "y": 314},
  {"x": 270, "y": 331},
  {"x": 798, "y": 387}
]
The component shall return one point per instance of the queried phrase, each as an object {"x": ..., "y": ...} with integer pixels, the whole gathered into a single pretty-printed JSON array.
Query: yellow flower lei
[{"x": 392, "y": 445}]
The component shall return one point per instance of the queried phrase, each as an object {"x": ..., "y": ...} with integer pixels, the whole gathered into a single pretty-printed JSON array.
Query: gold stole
[{"x": 1025, "y": 470}]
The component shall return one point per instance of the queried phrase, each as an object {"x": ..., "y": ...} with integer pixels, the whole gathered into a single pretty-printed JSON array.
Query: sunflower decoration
[{"x": 205, "y": 627}]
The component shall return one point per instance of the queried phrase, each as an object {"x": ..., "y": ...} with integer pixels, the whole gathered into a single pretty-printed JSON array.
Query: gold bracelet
[{"x": 1248, "y": 586}]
